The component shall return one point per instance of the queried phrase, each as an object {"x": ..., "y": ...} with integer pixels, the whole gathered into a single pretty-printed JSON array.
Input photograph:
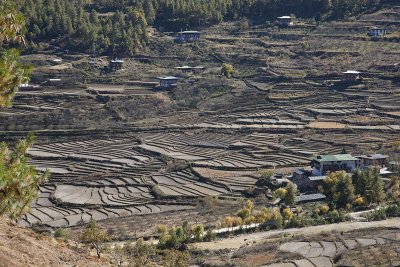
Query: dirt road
[{"x": 237, "y": 241}]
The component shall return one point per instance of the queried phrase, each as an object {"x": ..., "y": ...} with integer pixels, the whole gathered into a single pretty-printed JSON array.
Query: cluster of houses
[
  {"x": 349, "y": 76},
  {"x": 288, "y": 21},
  {"x": 309, "y": 180}
]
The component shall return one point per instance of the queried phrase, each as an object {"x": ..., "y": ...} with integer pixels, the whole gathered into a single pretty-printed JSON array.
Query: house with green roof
[{"x": 331, "y": 163}]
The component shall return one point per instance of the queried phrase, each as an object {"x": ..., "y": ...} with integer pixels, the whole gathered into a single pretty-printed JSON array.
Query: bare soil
[{"x": 22, "y": 247}]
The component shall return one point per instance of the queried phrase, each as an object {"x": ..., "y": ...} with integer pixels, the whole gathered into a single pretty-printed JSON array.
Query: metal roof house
[
  {"x": 285, "y": 21},
  {"x": 116, "y": 64},
  {"x": 189, "y": 69},
  {"x": 311, "y": 198},
  {"x": 306, "y": 181},
  {"x": 168, "y": 81},
  {"x": 28, "y": 87},
  {"x": 351, "y": 75},
  {"x": 187, "y": 36},
  {"x": 331, "y": 163},
  {"x": 375, "y": 160}
]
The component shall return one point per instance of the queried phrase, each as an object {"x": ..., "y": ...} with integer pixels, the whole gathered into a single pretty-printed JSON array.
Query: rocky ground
[{"x": 22, "y": 247}]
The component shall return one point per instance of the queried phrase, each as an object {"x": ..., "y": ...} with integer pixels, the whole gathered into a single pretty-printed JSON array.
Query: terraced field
[{"x": 118, "y": 147}]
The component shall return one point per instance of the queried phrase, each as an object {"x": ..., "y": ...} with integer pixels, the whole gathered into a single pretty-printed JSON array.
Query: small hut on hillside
[
  {"x": 116, "y": 64},
  {"x": 285, "y": 21},
  {"x": 351, "y": 76},
  {"x": 376, "y": 32},
  {"x": 168, "y": 81},
  {"x": 187, "y": 36},
  {"x": 189, "y": 69}
]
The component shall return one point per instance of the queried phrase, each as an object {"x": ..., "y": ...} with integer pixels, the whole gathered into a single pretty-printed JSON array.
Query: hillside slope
[{"x": 23, "y": 247}]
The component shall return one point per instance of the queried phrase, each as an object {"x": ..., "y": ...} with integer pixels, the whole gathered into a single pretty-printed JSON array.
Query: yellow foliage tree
[
  {"x": 287, "y": 213},
  {"x": 281, "y": 192}
]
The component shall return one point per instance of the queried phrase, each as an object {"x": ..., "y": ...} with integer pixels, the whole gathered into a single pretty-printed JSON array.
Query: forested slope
[{"x": 119, "y": 27}]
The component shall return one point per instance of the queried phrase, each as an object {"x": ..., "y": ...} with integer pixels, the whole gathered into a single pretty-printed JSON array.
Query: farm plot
[
  {"x": 105, "y": 196},
  {"x": 252, "y": 114},
  {"x": 237, "y": 181},
  {"x": 257, "y": 140},
  {"x": 387, "y": 103},
  {"x": 68, "y": 216},
  {"x": 94, "y": 162},
  {"x": 332, "y": 112},
  {"x": 306, "y": 147},
  {"x": 187, "y": 147},
  {"x": 186, "y": 183},
  {"x": 237, "y": 160}
]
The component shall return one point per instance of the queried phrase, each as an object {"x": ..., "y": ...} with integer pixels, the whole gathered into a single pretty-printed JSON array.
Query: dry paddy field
[{"x": 119, "y": 151}]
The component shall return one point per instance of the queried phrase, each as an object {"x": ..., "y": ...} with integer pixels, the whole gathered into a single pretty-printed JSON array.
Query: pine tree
[
  {"x": 290, "y": 197},
  {"x": 344, "y": 191},
  {"x": 149, "y": 11},
  {"x": 378, "y": 193}
]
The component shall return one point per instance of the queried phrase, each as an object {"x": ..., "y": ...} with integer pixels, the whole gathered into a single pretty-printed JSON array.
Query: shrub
[
  {"x": 95, "y": 237},
  {"x": 210, "y": 235},
  {"x": 59, "y": 233},
  {"x": 227, "y": 70},
  {"x": 175, "y": 258},
  {"x": 392, "y": 210}
]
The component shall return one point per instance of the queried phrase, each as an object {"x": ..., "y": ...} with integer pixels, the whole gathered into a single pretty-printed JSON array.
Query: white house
[
  {"x": 187, "y": 36},
  {"x": 168, "y": 81},
  {"x": 285, "y": 21},
  {"x": 331, "y": 163},
  {"x": 351, "y": 75},
  {"x": 116, "y": 64}
]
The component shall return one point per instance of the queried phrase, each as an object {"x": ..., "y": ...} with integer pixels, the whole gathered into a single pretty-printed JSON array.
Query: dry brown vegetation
[{"x": 23, "y": 247}]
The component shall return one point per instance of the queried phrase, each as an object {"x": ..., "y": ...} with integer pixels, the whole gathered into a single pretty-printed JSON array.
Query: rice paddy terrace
[{"x": 118, "y": 148}]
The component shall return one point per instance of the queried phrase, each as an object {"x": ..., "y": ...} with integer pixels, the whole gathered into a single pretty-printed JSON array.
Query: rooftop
[
  {"x": 352, "y": 72},
  {"x": 285, "y": 17},
  {"x": 184, "y": 67},
  {"x": 373, "y": 156},
  {"x": 339, "y": 157},
  {"x": 317, "y": 178},
  {"x": 189, "y": 32},
  {"x": 168, "y": 78},
  {"x": 311, "y": 197}
]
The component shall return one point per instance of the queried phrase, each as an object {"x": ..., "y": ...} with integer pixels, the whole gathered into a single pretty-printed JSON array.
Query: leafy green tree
[
  {"x": 95, "y": 237},
  {"x": 339, "y": 188}
]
